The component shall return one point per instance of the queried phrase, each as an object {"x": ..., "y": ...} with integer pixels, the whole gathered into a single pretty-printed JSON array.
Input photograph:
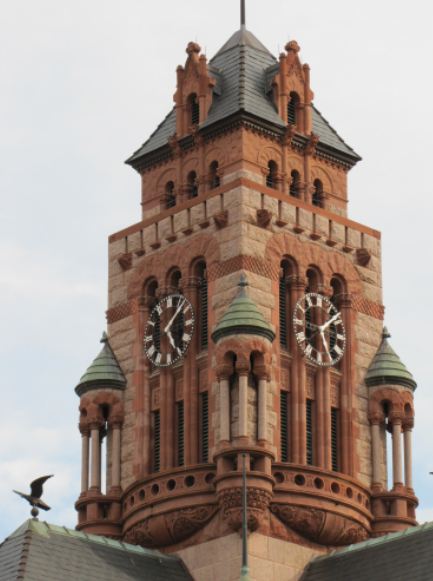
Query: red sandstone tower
[{"x": 245, "y": 316}]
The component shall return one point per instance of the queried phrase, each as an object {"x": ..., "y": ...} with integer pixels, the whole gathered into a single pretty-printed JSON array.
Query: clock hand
[
  {"x": 179, "y": 308},
  {"x": 171, "y": 340},
  {"x": 326, "y": 325},
  {"x": 322, "y": 334}
]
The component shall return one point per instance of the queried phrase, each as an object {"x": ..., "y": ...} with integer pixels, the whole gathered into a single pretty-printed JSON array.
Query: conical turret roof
[
  {"x": 103, "y": 372},
  {"x": 387, "y": 367},
  {"x": 243, "y": 316}
]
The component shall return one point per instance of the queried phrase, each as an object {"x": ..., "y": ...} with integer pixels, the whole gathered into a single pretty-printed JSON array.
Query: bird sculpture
[{"x": 34, "y": 498}]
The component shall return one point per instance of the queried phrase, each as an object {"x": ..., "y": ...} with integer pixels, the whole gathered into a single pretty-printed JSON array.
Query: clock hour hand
[
  {"x": 326, "y": 325},
  {"x": 179, "y": 308},
  {"x": 171, "y": 340}
]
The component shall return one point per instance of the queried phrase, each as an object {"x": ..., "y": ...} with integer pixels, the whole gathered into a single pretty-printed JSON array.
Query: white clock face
[
  {"x": 169, "y": 330},
  {"x": 319, "y": 329}
]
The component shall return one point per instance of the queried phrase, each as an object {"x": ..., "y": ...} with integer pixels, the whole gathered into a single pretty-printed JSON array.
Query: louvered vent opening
[
  {"x": 309, "y": 428},
  {"x": 156, "y": 441},
  {"x": 180, "y": 433},
  {"x": 195, "y": 111},
  {"x": 203, "y": 297},
  {"x": 284, "y": 425},
  {"x": 334, "y": 439},
  {"x": 283, "y": 312},
  {"x": 204, "y": 427},
  {"x": 292, "y": 107}
]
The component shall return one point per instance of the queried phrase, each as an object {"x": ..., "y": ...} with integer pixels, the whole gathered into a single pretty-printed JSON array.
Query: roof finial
[
  {"x": 385, "y": 333},
  {"x": 242, "y": 284},
  {"x": 243, "y": 26}
]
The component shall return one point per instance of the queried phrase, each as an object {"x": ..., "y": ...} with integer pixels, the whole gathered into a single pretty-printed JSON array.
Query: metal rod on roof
[{"x": 243, "y": 18}]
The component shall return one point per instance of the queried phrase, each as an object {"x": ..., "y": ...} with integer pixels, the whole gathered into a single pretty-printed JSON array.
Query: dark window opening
[
  {"x": 318, "y": 194},
  {"x": 170, "y": 198},
  {"x": 194, "y": 109},
  {"x": 309, "y": 431},
  {"x": 214, "y": 179},
  {"x": 204, "y": 427},
  {"x": 203, "y": 306},
  {"x": 292, "y": 108},
  {"x": 271, "y": 178},
  {"x": 284, "y": 425},
  {"x": 192, "y": 185},
  {"x": 295, "y": 184},
  {"x": 180, "y": 431},
  {"x": 156, "y": 452},
  {"x": 334, "y": 439}
]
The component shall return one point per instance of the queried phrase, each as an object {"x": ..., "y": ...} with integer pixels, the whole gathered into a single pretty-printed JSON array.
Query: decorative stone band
[
  {"x": 241, "y": 262},
  {"x": 366, "y": 307},
  {"x": 122, "y": 311}
]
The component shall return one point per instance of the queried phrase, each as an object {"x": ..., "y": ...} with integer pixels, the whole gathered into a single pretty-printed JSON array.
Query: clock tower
[{"x": 245, "y": 319}]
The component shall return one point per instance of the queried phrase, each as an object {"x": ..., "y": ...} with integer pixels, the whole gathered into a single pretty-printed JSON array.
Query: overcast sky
[{"x": 82, "y": 85}]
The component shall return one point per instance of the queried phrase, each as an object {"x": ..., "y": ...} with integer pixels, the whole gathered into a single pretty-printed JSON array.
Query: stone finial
[
  {"x": 292, "y": 46},
  {"x": 104, "y": 338},
  {"x": 385, "y": 333},
  {"x": 192, "y": 48}
]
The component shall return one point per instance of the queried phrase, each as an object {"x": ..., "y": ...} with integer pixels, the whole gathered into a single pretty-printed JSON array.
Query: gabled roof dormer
[{"x": 193, "y": 97}]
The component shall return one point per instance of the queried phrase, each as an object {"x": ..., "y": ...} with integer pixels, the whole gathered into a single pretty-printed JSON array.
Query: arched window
[
  {"x": 318, "y": 194},
  {"x": 192, "y": 185},
  {"x": 202, "y": 305},
  {"x": 214, "y": 179},
  {"x": 292, "y": 108},
  {"x": 271, "y": 178},
  {"x": 170, "y": 197},
  {"x": 295, "y": 184},
  {"x": 193, "y": 109}
]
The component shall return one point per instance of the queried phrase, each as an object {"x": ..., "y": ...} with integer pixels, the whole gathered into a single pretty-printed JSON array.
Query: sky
[{"x": 82, "y": 85}]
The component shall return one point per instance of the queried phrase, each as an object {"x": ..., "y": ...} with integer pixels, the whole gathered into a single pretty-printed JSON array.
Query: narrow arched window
[
  {"x": 194, "y": 109},
  {"x": 317, "y": 198},
  {"x": 170, "y": 198},
  {"x": 214, "y": 179},
  {"x": 271, "y": 178},
  {"x": 202, "y": 304},
  {"x": 295, "y": 184},
  {"x": 192, "y": 185},
  {"x": 292, "y": 108}
]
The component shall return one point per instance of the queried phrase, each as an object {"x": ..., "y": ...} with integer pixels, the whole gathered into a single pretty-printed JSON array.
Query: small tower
[
  {"x": 391, "y": 410},
  {"x": 101, "y": 416}
]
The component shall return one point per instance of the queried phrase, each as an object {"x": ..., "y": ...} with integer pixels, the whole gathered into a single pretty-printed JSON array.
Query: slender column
[
  {"x": 348, "y": 370},
  {"x": 84, "y": 461},
  {"x": 327, "y": 422},
  {"x": 396, "y": 452},
  {"x": 95, "y": 479},
  {"x": 375, "y": 444},
  {"x": 115, "y": 466},
  {"x": 142, "y": 397},
  {"x": 243, "y": 404},
  {"x": 319, "y": 431},
  {"x": 297, "y": 399},
  {"x": 262, "y": 411},
  {"x": 170, "y": 405},
  {"x": 190, "y": 383},
  {"x": 408, "y": 457},
  {"x": 224, "y": 410}
]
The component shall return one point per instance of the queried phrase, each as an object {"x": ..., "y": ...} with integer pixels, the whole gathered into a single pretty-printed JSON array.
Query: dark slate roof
[
  {"x": 406, "y": 556},
  {"x": 243, "y": 68},
  {"x": 38, "y": 551},
  {"x": 104, "y": 371}
]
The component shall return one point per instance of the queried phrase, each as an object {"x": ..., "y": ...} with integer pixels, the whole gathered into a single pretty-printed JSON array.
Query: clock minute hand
[
  {"x": 179, "y": 308},
  {"x": 326, "y": 325}
]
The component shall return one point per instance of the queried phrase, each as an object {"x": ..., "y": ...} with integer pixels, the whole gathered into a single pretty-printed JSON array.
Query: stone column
[
  {"x": 262, "y": 410},
  {"x": 95, "y": 478},
  {"x": 190, "y": 382},
  {"x": 376, "y": 451},
  {"x": 115, "y": 466},
  {"x": 224, "y": 410},
  {"x": 243, "y": 404},
  {"x": 84, "y": 461},
  {"x": 346, "y": 397},
  {"x": 396, "y": 452},
  {"x": 408, "y": 456}
]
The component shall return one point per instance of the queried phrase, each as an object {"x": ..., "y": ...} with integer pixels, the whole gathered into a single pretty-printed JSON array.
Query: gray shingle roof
[
  {"x": 38, "y": 551},
  {"x": 406, "y": 556},
  {"x": 243, "y": 68}
]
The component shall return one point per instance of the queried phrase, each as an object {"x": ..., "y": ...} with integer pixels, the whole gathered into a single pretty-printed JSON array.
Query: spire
[
  {"x": 243, "y": 18},
  {"x": 387, "y": 368}
]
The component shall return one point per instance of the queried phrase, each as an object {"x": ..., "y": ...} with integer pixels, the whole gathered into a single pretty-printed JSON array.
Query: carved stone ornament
[
  {"x": 320, "y": 526},
  {"x": 230, "y": 501},
  {"x": 363, "y": 256},
  {"x": 125, "y": 260},
  {"x": 221, "y": 219},
  {"x": 170, "y": 528},
  {"x": 264, "y": 218}
]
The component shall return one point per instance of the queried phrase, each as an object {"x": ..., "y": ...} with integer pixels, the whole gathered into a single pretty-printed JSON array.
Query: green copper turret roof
[
  {"x": 243, "y": 316},
  {"x": 387, "y": 368},
  {"x": 103, "y": 372}
]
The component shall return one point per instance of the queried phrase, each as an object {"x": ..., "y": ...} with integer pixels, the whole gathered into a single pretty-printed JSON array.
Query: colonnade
[{"x": 401, "y": 455}]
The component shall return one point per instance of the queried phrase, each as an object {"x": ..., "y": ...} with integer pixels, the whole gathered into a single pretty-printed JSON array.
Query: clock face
[
  {"x": 319, "y": 329},
  {"x": 169, "y": 330}
]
